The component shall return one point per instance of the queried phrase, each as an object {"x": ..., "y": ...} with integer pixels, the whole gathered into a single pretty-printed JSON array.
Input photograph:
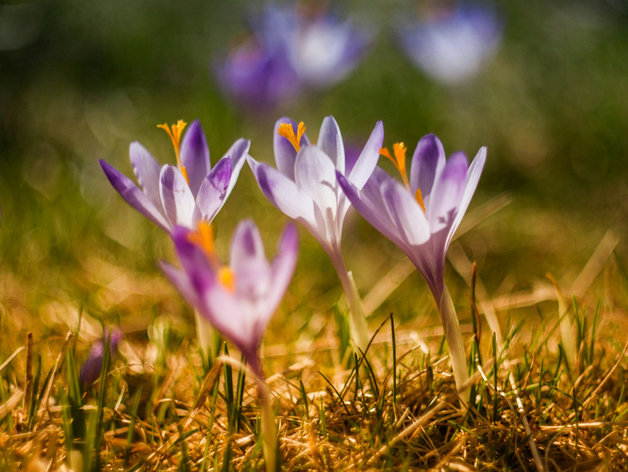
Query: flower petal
[
  {"x": 283, "y": 193},
  {"x": 372, "y": 211},
  {"x": 181, "y": 282},
  {"x": 366, "y": 163},
  {"x": 195, "y": 156},
  {"x": 428, "y": 162},
  {"x": 282, "y": 267},
  {"x": 213, "y": 192},
  {"x": 285, "y": 154},
  {"x": 330, "y": 142},
  {"x": 405, "y": 213},
  {"x": 176, "y": 197},
  {"x": 315, "y": 174},
  {"x": 237, "y": 153},
  {"x": 134, "y": 196},
  {"x": 446, "y": 193},
  {"x": 471, "y": 183},
  {"x": 147, "y": 172},
  {"x": 249, "y": 264}
]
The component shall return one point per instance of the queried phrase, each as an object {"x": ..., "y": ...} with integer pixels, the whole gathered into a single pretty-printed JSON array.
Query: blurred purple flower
[
  {"x": 256, "y": 75},
  {"x": 304, "y": 187},
  {"x": 238, "y": 299},
  {"x": 321, "y": 48},
  {"x": 184, "y": 194},
  {"x": 421, "y": 216},
  {"x": 290, "y": 49},
  {"x": 452, "y": 46},
  {"x": 93, "y": 364}
]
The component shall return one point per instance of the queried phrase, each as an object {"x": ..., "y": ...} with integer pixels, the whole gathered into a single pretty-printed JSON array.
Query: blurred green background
[{"x": 79, "y": 81}]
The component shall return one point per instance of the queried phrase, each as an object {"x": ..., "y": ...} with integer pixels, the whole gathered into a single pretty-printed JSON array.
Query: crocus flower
[
  {"x": 257, "y": 75},
  {"x": 304, "y": 187},
  {"x": 184, "y": 194},
  {"x": 238, "y": 299},
  {"x": 451, "y": 46},
  {"x": 421, "y": 216},
  {"x": 93, "y": 364},
  {"x": 322, "y": 48}
]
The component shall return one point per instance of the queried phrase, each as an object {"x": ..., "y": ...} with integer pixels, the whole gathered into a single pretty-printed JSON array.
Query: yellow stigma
[
  {"x": 418, "y": 196},
  {"x": 399, "y": 150},
  {"x": 203, "y": 237},
  {"x": 175, "y": 132},
  {"x": 287, "y": 131},
  {"x": 227, "y": 278}
]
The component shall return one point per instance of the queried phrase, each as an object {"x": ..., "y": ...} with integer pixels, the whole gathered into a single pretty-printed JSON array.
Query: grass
[{"x": 156, "y": 405}]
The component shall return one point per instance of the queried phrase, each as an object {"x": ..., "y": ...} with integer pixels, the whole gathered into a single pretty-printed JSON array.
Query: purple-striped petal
[
  {"x": 134, "y": 196},
  {"x": 330, "y": 142},
  {"x": 283, "y": 193},
  {"x": 213, "y": 191},
  {"x": 283, "y": 266},
  {"x": 248, "y": 262},
  {"x": 237, "y": 153},
  {"x": 428, "y": 162},
  {"x": 285, "y": 154},
  {"x": 405, "y": 213},
  {"x": 471, "y": 183},
  {"x": 447, "y": 192},
  {"x": 146, "y": 170},
  {"x": 195, "y": 156},
  {"x": 176, "y": 197},
  {"x": 366, "y": 163}
]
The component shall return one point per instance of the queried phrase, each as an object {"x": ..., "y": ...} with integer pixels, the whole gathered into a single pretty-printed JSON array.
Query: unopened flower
[
  {"x": 304, "y": 187},
  {"x": 240, "y": 298},
  {"x": 452, "y": 45},
  {"x": 92, "y": 367},
  {"x": 183, "y": 194}
]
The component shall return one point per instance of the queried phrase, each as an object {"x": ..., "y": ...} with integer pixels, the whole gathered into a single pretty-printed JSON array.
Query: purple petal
[
  {"x": 283, "y": 266},
  {"x": 237, "y": 153},
  {"x": 147, "y": 171},
  {"x": 249, "y": 264},
  {"x": 285, "y": 154},
  {"x": 366, "y": 163},
  {"x": 471, "y": 183},
  {"x": 372, "y": 211},
  {"x": 134, "y": 196},
  {"x": 283, "y": 193},
  {"x": 315, "y": 174},
  {"x": 446, "y": 193},
  {"x": 181, "y": 282},
  {"x": 330, "y": 142},
  {"x": 213, "y": 191},
  {"x": 176, "y": 197},
  {"x": 195, "y": 156},
  {"x": 428, "y": 162},
  {"x": 405, "y": 213}
]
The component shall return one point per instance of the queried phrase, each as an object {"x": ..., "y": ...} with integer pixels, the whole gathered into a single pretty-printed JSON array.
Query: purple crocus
[
  {"x": 304, "y": 187},
  {"x": 184, "y": 194},
  {"x": 321, "y": 48},
  {"x": 452, "y": 45},
  {"x": 239, "y": 299},
  {"x": 421, "y": 216},
  {"x": 93, "y": 364},
  {"x": 257, "y": 75}
]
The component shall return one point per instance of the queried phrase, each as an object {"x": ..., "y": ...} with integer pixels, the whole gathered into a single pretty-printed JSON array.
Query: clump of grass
[{"x": 393, "y": 408}]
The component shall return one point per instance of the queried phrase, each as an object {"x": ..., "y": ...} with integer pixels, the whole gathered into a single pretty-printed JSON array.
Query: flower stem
[
  {"x": 269, "y": 432},
  {"x": 457, "y": 354},
  {"x": 357, "y": 321},
  {"x": 206, "y": 336}
]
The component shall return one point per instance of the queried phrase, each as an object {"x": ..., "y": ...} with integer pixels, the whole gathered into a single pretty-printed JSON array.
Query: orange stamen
[
  {"x": 418, "y": 196},
  {"x": 399, "y": 150},
  {"x": 287, "y": 131},
  {"x": 203, "y": 237},
  {"x": 175, "y": 132},
  {"x": 227, "y": 278}
]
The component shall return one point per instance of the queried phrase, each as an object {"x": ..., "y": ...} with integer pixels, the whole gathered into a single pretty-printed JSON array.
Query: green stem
[
  {"x": 457, "y": 354},
  {"x": 206, "y": 336},
  {"x": 269, "y": 432}
]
